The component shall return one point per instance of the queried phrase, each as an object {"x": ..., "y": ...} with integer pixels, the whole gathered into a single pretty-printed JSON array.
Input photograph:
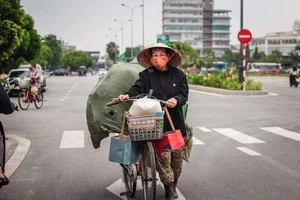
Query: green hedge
[{"x": 224, "y": 80}]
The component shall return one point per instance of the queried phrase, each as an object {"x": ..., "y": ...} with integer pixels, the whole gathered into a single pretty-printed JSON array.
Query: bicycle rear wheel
[
  {"x": 130, "y": 179},
  {"x": 23, "y": 99},
  {"x": 149, "y": 172},
  {"x": 38, "y": 102}
]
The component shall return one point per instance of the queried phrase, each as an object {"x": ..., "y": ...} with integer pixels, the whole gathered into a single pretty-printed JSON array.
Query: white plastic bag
[{"x": 145, "y": 106}]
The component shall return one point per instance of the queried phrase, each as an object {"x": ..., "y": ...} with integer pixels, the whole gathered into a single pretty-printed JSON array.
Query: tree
[
  {"x": 231, "y": 57},
  {"x": 112, "y": 51},
  {"x": 11, "y": 37},
  {"x": 31, "y": 45},
  {"x": 209, "y": 56},
  {"x": 186, "y": 51},
  {"x": 136, "y": 51},
  {"x": 44, "y": 57},
  {"x": 75, "y": 59},
  {"x": 11, "y": 32},
  {"x": 55, "y": 45}
]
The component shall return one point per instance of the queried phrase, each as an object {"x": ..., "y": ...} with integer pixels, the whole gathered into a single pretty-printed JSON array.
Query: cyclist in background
[
  {"x": 169, "y": 84},
  {"x": 34, "y": 74}
]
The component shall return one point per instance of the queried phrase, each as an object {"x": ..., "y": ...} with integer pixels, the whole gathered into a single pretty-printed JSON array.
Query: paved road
[{"x": 245, "y": 147}]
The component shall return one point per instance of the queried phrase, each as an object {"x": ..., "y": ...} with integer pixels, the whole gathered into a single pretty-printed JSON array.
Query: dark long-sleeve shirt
[
  {"x": 6, "y": 107},
  {"x": 167, "y": 84}
]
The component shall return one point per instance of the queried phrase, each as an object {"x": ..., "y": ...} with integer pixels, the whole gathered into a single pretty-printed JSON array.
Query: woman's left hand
[{"x": 172, "y": 101}]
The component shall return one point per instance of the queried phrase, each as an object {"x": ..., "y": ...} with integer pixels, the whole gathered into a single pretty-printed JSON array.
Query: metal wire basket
[
  {"x": 24, "y": 83},
  {"x": 145, "y": 127}
]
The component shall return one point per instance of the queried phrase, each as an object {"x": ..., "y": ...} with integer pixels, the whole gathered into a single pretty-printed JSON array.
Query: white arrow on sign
[
  {"x": 244, "y": 36},
  {"x": 118, "y": 187}
]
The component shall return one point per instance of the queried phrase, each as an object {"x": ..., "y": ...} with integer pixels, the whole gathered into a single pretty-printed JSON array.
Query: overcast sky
[{"x": 85, "y": 23}]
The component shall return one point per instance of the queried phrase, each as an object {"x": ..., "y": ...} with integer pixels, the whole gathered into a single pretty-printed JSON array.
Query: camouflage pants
[{"x": 169, "y": 165}]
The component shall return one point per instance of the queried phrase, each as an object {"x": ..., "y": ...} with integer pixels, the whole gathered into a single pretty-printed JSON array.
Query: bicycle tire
[
  {"x": 20, "y": 100},
  {"x": 130, "y": 179},
  {"x": 40, "y": 94},
  {"x": 149, "y": 172}
]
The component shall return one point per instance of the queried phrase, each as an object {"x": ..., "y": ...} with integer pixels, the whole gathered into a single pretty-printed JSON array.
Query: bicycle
[
  {"x": 25, "y": 97},
  {"x": 146, "y": 167}
]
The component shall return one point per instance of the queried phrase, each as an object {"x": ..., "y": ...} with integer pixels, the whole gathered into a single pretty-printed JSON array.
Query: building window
[{"x": 220, "y": 28}]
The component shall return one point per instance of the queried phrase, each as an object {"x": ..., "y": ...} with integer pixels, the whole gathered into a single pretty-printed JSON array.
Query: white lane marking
[
  {"x": 212, "y": 94},
  {"x": 62, "y": 99},
  {"x": 238, "y": 136},
  {"x": 13, "y": 163},
  {"x": 197, "y": 142},
  {"x": 282, "y": 132},
  {"x": 118, "y": 187},
  {"x": 204, "y": 129},
  {"x": 248, "y": 151},
  {"x": 68, "y": 94},
  {"x": 72, "y": 139},
  {"x": 273, "y": 94},
  {"x": 65, "y": 97}
]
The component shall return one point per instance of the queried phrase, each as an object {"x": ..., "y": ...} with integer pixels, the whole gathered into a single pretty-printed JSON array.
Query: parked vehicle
[
  {"x": 60, "y": 72},
  {"x": 256, "y": 67},
  {"x": 16, "y": 74},
  {"x": 102, "y": 72},
  {"x": 271, "y": 70},
  {"x": 42, "y": 80}
]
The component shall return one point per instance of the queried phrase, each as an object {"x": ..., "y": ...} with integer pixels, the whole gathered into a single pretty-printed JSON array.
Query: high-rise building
[{"x": 197, "y": 23}]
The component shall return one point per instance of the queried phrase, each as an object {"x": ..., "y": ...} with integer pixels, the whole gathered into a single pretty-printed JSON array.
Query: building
[
  {"x": 94, "y": 55},
  {"x": 198, "y": 24},
  {"x": 67, "y": 47},
  {"x": 284, "y": 42}
]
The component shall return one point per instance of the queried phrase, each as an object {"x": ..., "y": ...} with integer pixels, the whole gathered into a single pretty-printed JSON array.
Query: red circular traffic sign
[{"x": 245, "y": 36}]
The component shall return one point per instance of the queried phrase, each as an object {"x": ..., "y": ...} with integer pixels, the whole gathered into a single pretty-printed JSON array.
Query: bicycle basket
[
  {"x": 24, "y": 84},
  {"x": 145, "y": 127}
]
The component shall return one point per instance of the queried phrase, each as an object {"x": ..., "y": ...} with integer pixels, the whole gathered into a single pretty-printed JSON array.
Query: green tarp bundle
[{"x": 102, "y": 119}]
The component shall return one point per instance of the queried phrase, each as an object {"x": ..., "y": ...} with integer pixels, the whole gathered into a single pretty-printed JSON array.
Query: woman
[
  {"x": 6, "y": 107},
  {"x": 169, "y": 84}
]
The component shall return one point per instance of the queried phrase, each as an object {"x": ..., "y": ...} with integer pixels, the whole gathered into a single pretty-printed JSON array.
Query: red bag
[{"x": 171, "y": 140}]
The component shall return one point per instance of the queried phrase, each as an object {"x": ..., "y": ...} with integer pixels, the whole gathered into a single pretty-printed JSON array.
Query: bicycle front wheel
[
  {"x": 149, "y": 172},
  {"x": 130, "y": 179},
  {"x": 23, "y": 99},
  {"x": 38, "y": 102}
]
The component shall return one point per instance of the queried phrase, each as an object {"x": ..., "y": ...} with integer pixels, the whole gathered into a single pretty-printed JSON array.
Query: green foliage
[
  {"x": 226, "y": 80},
  {"x": 209, "y": 57},
  {"x": 231, "y": 57},
  {"x": 11, "y": 37},
  {"x": 75, "y": 59},
  {"x": 44, "y": 57},
  {"x": 186, "y": 52},
  {"x": 55, "y": 45},
  {"x": 113, "y": 51},
  {"x": 136, "y": 51},
  {"x": 252, "y": 85},
  {"x": 197, "y": 62}
]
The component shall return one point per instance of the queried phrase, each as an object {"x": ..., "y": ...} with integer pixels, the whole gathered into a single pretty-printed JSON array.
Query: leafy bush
[{"x": 226, "y": 80}]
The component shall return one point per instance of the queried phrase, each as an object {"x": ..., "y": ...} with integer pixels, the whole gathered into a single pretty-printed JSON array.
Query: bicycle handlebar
[{"x": 117, "y": 101}]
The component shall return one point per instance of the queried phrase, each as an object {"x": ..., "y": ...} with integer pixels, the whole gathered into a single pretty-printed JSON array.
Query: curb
[
  {"x": 228, "y": 92},
  {"x": 17, "y": 147}
]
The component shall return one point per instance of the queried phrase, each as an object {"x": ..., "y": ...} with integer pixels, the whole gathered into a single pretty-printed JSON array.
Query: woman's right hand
[{"x": 123, "y": 97}]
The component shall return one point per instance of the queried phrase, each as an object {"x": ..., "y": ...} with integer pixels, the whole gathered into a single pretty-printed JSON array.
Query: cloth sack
[{"x": 145, "y": 106}]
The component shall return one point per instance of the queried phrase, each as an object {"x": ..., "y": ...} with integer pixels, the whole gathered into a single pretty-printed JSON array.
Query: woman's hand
[
  {"x": 123, "y": 97},
  {"x": 172, "y": 101}
]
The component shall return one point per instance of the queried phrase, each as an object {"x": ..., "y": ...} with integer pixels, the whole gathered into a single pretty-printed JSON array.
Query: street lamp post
[
  {"x": 132, "y": 9},
  {"x": 122, "y": 24},
  {"x": 241, "y": 46},
  {"x": 143, "y": 24}
]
